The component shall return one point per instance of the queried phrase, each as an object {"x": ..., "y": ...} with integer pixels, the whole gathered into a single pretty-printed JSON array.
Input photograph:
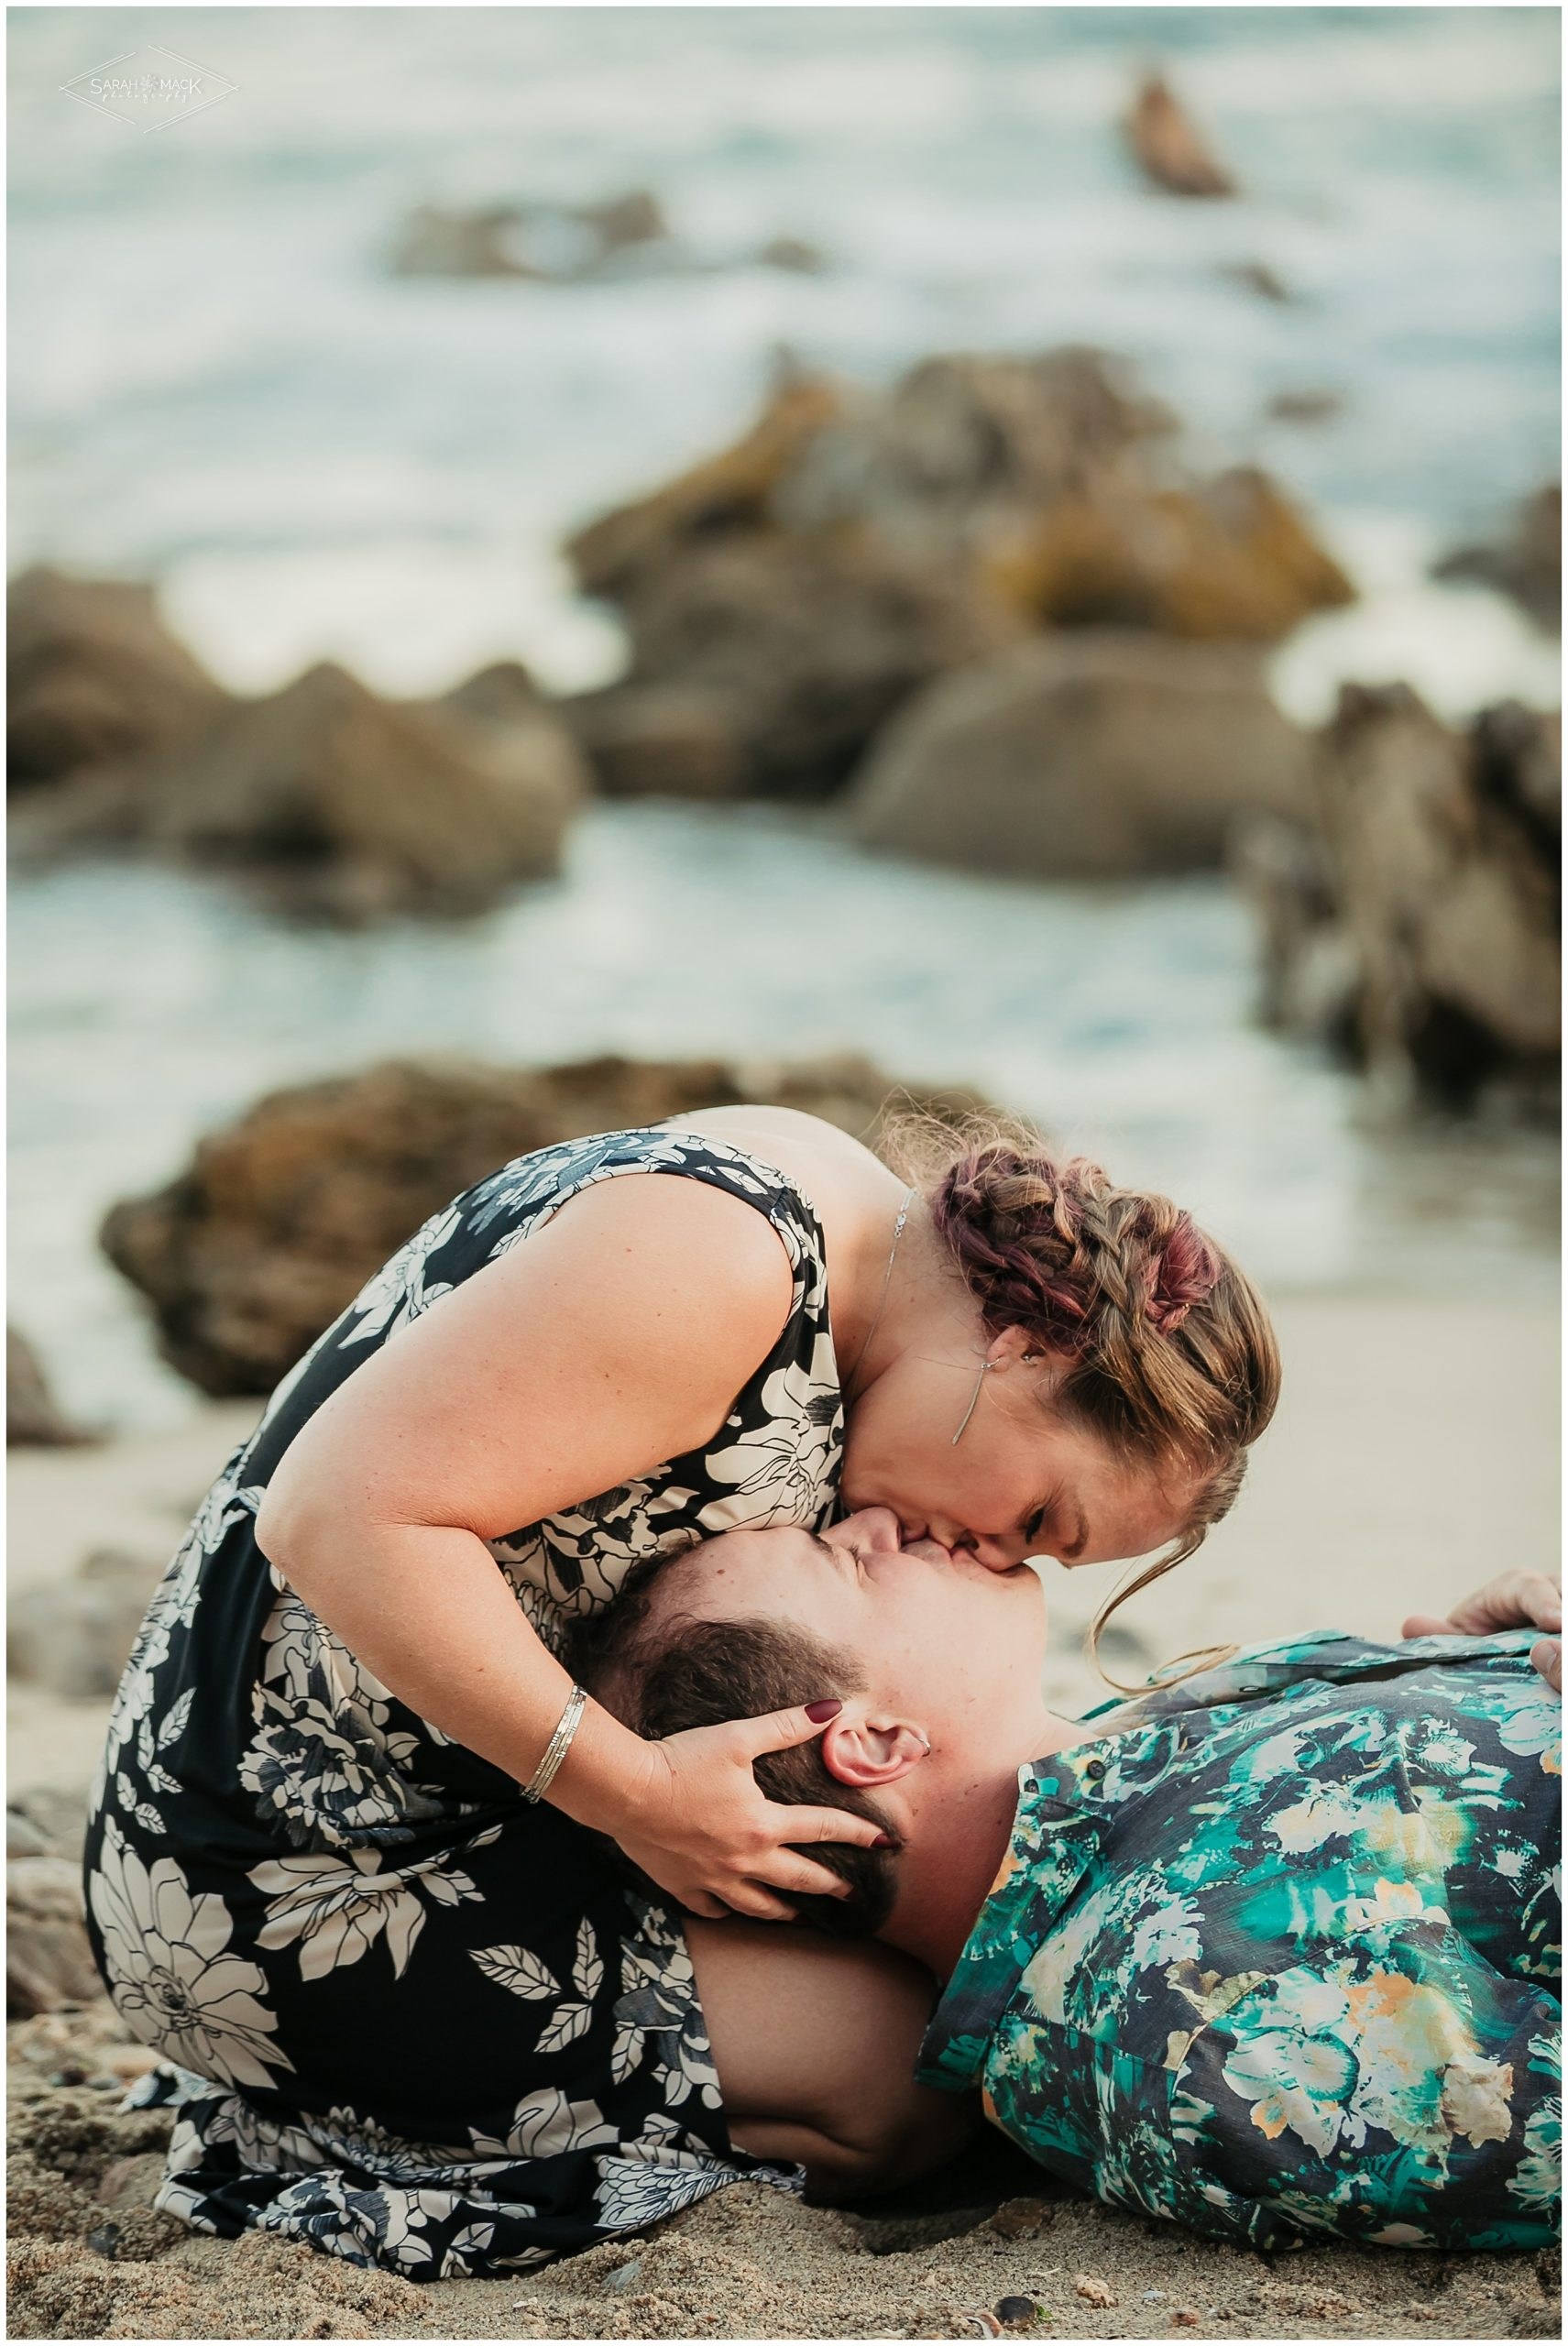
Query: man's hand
[{"x": 1516, "y": 1600}]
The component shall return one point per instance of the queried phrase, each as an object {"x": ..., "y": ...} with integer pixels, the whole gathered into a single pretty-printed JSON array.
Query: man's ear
[{"x": 867, "y": 1752}]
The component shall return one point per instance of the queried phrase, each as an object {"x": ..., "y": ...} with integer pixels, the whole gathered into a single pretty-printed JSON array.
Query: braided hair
[{"x": 1167, "y": 1350}]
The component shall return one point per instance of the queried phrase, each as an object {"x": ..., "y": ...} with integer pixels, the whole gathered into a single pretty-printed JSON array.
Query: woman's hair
[
  {"x": 1170, "y": 1356},
  {"x": 661, "y": 1677}
]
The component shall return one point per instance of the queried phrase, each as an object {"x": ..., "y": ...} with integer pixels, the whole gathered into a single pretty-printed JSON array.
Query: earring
[{"x": 974, "y": 1397}]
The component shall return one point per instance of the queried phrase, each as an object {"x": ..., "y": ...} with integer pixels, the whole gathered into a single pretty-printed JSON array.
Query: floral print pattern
[
  {"x": 1283, "y": 1955},
  {"x": 406, "y": 2017}
]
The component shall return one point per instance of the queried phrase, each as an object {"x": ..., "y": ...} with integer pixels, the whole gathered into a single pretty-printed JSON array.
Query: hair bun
[{"x": 1182, "y": 1274}]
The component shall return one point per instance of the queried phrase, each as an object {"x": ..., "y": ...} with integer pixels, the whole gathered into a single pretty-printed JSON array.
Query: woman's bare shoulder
[{"x": 844, "y": 1181}]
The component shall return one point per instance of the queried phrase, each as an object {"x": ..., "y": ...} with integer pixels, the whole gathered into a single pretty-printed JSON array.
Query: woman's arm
[{"x": 615, "y": 1338}]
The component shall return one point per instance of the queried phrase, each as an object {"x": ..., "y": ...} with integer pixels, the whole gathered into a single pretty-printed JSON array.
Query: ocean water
[{"x": 216, "y": 382}]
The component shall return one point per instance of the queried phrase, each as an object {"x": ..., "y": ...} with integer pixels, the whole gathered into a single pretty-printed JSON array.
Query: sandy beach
[{"x": 1415, "y": 1454}]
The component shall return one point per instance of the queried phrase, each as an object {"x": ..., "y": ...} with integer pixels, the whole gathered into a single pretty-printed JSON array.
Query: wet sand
[{"x": 1417, "y": 1454}]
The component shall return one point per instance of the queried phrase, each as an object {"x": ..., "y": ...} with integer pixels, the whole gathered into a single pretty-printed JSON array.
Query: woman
[{"x": 420, "y": 2017}]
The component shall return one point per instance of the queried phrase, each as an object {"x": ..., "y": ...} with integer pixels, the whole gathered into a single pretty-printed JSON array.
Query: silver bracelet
[{"x": 560, "y": 1743}]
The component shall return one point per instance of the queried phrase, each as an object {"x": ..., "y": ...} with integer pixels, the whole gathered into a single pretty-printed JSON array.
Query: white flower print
[
  {"x": 327, "y": 1778},
  {"x": 171, "y": 1978},
  {"x": 667, "y": 2168},
  {"x": 398, "y": 1292},
  {"x": 546, "y": 2124},
  {"x": 658, "y": 2015},
  {"x": 780, "y": 1467},
  {"x": 335, "y": 1911}
]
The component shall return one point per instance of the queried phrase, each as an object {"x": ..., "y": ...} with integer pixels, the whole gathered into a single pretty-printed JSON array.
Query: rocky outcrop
[
  {"x": 1229, "y": 559},
  {"x": 342, "y": 807},
  {"x": 1417, "y": 921},
  {"x": 854, "y": 545},
  {"x": 94, "y": 678},
  {"x": 281, "y": 1216},
  {"x": 1527, "y": 563},
  {"x": 75, "y": 1636},
  {"x": 1168, "y": 147},
  {"x": 48, "y": 1961},
  {"x": 552, "y": 243},
  {"x": 1082, "y": 756},
  {"x": 657, "y": 741},
  {"x": 33, "y": 1416}
]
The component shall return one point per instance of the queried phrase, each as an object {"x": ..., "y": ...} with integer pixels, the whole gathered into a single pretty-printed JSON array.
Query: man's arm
[
  {"x": 1516, "y": 1600},
  {"x": 815, "y": 2041}
]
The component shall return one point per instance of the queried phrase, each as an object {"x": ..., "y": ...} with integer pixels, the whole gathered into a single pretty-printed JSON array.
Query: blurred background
[{"x": 1005, "y": 549}]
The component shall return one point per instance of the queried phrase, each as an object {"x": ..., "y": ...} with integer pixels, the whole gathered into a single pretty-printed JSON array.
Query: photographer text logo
[{"x": 149, "y": 88}]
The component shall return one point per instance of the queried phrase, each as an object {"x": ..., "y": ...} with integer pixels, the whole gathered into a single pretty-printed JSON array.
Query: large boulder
[
  {"x": 33, "y": 1416},
  {"x": 281, "y": 1216},
  {"x": 348, "y": 807},
  {"x": 1082, "y": 756},
  {"x": 49, "y": 1962},
  {"x": 804, "y": 646},
  {"x": 855, "y": 545},
  {"x": 93, "y": 678},
  {"x": 1429, "y": 884},
  {"x": 1526, "y": 561},
  {"x": 75, "y": 1636},
  {"x": 657, "y": 740},
  {"x": 1230, "y": 559},
  {"x": 1168, "y": 147}
]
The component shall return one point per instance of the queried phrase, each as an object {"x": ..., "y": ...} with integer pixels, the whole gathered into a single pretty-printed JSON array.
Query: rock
[
  {"x": 1021, "y": 2219},
  {"x": 48, "y": 1961},
  {"x": 1016, "y": 2313},
  {"x": 796, "y": 254},
  {"x": 281, "y": 1216},
  {"x": 1231, "y": 558},
  {"x": 347, "y": 807},
  {"x": 1526, "y": 563},
  {"x": 94, "y": 678},
  {"x": 1257, "y": 276},
  {"x": 965, "y": 448},
  {"x": 1427, "y": 887},
  {"x": 853, "y": 545},
  {"x": 76, "y": 1637},
  {"x": 725, "y": 492},
  {"x": 1167, "y": 147},
  {"x": 502, "y": 694},
  {"x": 1084, "y": 756},
  {"x": 483, "y": 242},
  {"x": 657, "y": 741},
  {"x": 32, "y": 1414},
  {"x": 1309, "y": 406},
  {"x": 48, "y": 1820},
  {"x": 549, "y": 243},
  {"x": 636, "y": 217},
  {"x": 807, "y": 644},
  {"x": 1093, "y": 2289},
  {"x": 1307, "y": 975},
  {"x": 623, "y": 2277}
]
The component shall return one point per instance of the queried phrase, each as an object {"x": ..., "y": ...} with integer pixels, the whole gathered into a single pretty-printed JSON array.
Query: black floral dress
[{"x": 405, "y": 2015}]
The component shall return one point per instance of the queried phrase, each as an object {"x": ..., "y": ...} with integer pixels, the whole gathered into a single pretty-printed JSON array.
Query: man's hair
[{"x": 662, "y": 1677}]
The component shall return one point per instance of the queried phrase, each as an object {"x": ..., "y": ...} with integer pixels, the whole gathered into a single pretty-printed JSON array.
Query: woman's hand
[
  {"x": 1516, "y": 1600},
  {"x": 698, "y": 1824}
]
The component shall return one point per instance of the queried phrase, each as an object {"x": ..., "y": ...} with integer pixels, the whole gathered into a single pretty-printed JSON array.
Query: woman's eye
[{"x": 1034, "y": 1526}]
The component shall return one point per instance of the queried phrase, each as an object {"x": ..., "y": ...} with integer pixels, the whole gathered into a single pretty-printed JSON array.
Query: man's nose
[{"x": 879, "y": 1527}]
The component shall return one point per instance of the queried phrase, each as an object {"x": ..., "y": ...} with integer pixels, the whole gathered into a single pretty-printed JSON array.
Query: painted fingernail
[
  {"x": 884, "y": 1841},
  {"x": 819, "y": 1712}
]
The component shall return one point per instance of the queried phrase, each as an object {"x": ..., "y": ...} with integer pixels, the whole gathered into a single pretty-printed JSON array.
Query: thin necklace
[{"x": 886, "y": 1284}]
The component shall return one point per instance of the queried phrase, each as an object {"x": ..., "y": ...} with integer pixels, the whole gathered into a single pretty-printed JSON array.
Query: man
[{"x": 1271, "y": 1950}]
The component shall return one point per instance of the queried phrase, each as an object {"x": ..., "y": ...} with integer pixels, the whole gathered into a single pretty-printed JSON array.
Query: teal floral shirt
[{"x": 1282, "y": 1956}]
